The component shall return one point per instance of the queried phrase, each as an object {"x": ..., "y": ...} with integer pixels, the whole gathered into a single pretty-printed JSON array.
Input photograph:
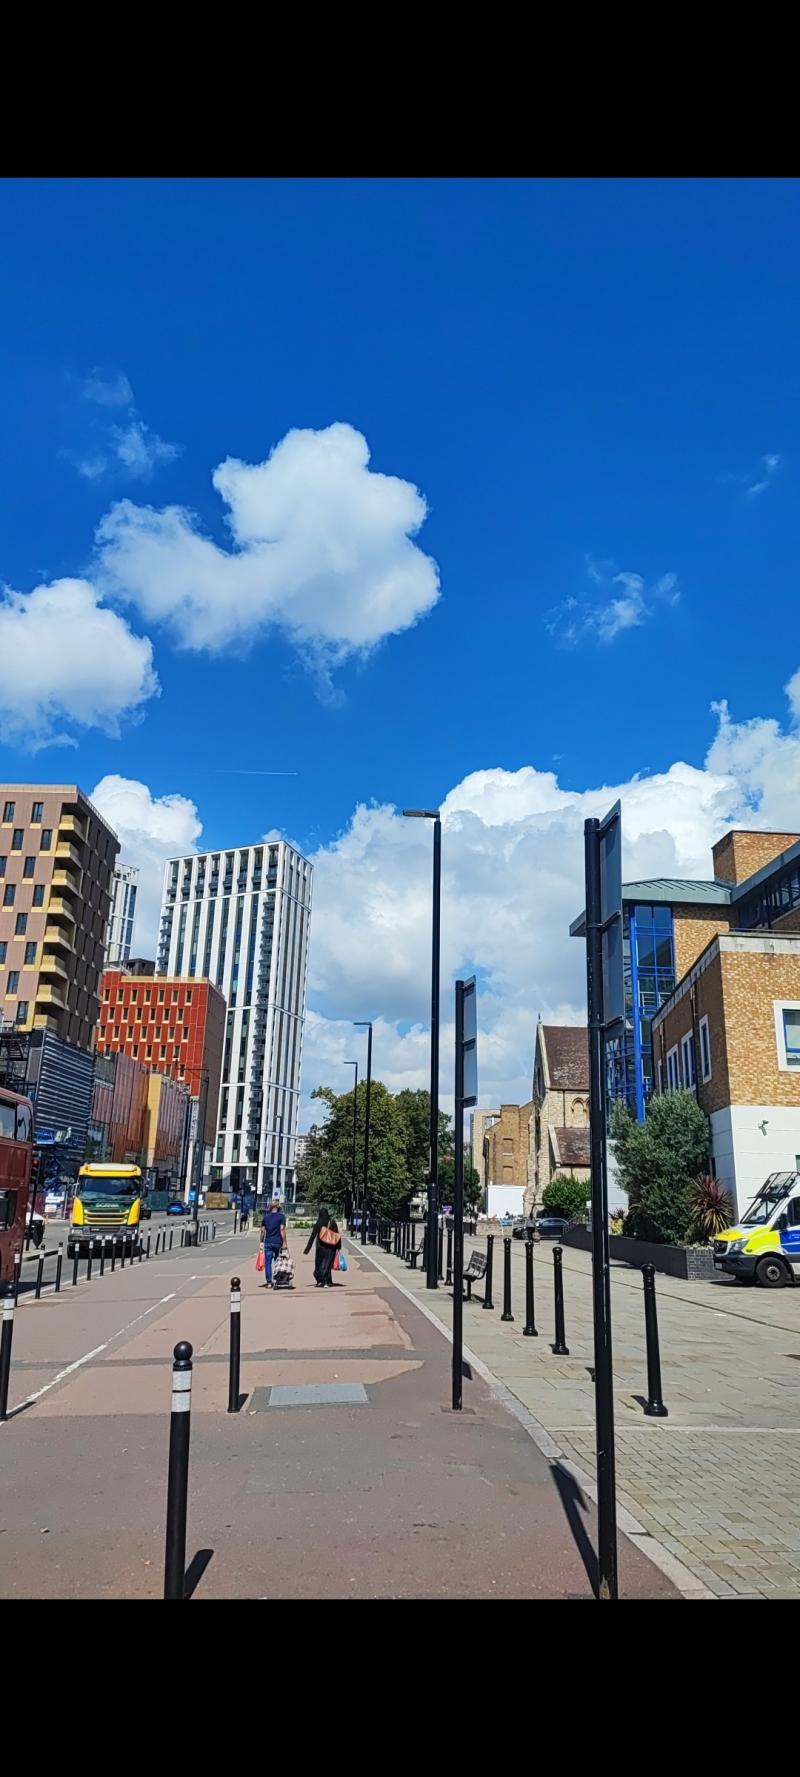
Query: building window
[
  {"x": 2, "y": 950},
  {"x": 135, "y": 1049},
  {"x": 161, "y": 996},
  {"x": 120, "y": 995},
  {"x": 174, "y": 995},
  {"x": 46, "y": 839},
  {"x": 17, "y": 838},
  {"x": 22, "y": 1011},
  {"x": 21, "y": 925},
  {"x": 36, "y": 813},
  {"x": 147, "y": 992},
  {"x": 673, "y": 1074},
  {"x": 38, "y": 895},
  {"x": 687, "y": 1056},
  {"x": 3, "y": 862},
  {"x": 8, "y": 894},
  {"x": 162, "y": 1053},
  {"x": 149, "y": 1051},
  {"x": 30, "y": 955},
  {"x": 8, "y": 812},
  {"x": 13, "y": 981},
  {"x": 787, "y": 1030},
  {"x": 189, "y": 997},
  {"x": 29, "y": 867},
  {"x": 705, "y": 1049},
  {"x": 134, "y": 995}
]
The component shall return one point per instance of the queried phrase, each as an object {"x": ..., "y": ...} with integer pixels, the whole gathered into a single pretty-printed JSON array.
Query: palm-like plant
[{"x": 711, "y": 1206}]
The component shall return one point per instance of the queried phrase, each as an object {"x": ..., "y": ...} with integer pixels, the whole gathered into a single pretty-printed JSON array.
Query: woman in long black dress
[
  {"x": 322, "y": 1221},
  {"x": 328, "y": 1246}
]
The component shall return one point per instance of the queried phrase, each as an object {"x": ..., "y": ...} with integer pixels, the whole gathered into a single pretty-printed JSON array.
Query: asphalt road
[{"x": 57, "y": 1233}]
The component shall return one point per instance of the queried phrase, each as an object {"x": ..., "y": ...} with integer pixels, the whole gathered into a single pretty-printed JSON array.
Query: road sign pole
[
  {"x": 601, "y": 1264},
  {"x": 458, "y": 1208}
]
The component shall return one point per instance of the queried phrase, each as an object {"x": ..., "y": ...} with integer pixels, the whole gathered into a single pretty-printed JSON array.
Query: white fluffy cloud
[
  {"x": 627, "y": 603},
  {"x": 512, "y": 847},
  {"x": 151, "y": 829},
  {"x": 132, "y": 448},
  {"x": 70, "y": 660},
  {"x": 321, "y": 547}
]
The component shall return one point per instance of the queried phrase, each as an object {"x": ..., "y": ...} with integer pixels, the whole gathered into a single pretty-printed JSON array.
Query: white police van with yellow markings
[{"x": 764, "y": 1247}]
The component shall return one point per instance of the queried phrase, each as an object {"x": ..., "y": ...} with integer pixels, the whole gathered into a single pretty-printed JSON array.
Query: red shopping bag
[
  {"x": 336, "y": 1263},
  {"x": 260, "y": 1259}
]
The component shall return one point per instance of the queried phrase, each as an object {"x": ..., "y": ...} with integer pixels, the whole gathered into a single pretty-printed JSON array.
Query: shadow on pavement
[
  {"x": 575, "y": 1502},
  {"x": 195, "y": 1570}
]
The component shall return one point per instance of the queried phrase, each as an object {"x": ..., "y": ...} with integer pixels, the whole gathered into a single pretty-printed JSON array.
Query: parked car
[
  {"x": 521, "y": 1226},
  {"x": 178, "y": 1208},
  {"x": 551, "y": 1227}
]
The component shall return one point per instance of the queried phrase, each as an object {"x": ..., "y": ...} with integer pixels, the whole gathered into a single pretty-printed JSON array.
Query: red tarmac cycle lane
[{"x": 396, "y": 1497}]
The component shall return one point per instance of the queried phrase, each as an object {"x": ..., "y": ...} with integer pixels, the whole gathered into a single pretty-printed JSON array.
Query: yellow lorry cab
[
  {"x": 107, "y": 1204},
  {"x": 764, "y": 1247}
]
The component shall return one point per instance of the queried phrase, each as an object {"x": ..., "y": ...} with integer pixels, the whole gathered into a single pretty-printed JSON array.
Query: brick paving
[{"x": 718, "y": 1482}]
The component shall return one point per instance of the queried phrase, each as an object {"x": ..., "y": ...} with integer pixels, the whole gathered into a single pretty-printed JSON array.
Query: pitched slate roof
[
  {"x": 573, "y": 1145},
  {"x": 567, "y": 1048}
]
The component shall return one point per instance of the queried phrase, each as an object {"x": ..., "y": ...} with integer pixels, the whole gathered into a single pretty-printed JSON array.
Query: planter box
[{"x": 675, "y": 1261}]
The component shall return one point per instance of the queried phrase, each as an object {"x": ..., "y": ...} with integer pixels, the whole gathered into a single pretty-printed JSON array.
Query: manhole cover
[{"x": 310, "y": 1394}]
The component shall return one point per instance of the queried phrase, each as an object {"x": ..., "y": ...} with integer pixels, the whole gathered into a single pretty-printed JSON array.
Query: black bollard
[
  {"x": 441, "y": 1250},
  {"x": 40, "y": 1273},
  {"x": 235, "y": 1221},
  {"x": 103, "y": 1257},
  {"x": 113, "y": 1253},
  {"x": 655, "y": 1408},
  {"x": 75, "y": 1263},
  {"x": 5, "y": 1351},
  {"x": 140, "y": 1248},
  {"x": 506, "y": 1314},
  {"x": 59, "y": 1263},
  {"x": 17, "y": 1272},
  {"x": 122, "y": 1253},
  {"x": 149, "y": 1238},
  {"x": 236, "y": 1345},
  {"x": 158, "y": 1241},
  {"x": 529, "y": 1329},
  {"x": 171, "y": 1238},
  {"x": 89, "y": 1264},
  {"x": 487, "y": 1288},
  {"x": 178, "y": 1472},
  {"x": 449, "y": 1272},
  {"x": 560, "y": 1348}
]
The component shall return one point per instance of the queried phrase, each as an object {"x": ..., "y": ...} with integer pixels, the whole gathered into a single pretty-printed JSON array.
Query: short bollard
[
  {"x": 75, "y": 1262},
  {"x": 178, "y": 1472},
  {"x": 40, "y": 1274},
  {"x": 506, "y": 1314},
  {"x": 236, "y": 1345},
  {"x": 158, "y": 1241},
  {"x": 149, "y": 1238},
  {"x": 487, "y": 1288},
  {"x": 213, "y": 1230},
  {"x": 113, "y": 1253},
  {"x": 103, "y": 1257},
  {"x": 449, "y": 1272},
  {"x": 59, "y": 1263},
  {"x": 235, "y": 1221},
  {"x": 171, "y": 1238},
  {"x": 17, "y": 1272},
  {"x": 529, "y": 1329},
  {"x": 122, "y": 1246},
  {"x": 5, "y": 1351},
  {"x": 655, "y": 1408},
  {"x": 89, "y": 1264},
  {"x": 560, "y": 1347},
  {"x": 141, "y": 1250}
]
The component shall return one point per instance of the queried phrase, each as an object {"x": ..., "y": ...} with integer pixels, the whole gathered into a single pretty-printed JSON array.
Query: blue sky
[{"x": 593, "y": 386}]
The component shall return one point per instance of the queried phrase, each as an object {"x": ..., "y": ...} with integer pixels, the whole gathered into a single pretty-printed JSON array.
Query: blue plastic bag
[{"x": 342, "y": 1260}]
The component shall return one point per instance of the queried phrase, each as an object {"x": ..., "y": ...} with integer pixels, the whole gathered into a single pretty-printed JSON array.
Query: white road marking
[{"x": 88, "y": 1355}]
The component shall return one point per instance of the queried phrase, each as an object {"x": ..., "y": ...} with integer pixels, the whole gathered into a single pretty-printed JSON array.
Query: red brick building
[{"x": 172, "y": 1024}]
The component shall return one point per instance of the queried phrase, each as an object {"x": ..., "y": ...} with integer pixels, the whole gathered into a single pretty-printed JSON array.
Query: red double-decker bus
[{"x": 16, "y": 1157}]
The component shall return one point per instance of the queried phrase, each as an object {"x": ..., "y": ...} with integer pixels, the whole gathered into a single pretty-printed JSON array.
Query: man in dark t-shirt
[{"x": 273, "y": 1234}]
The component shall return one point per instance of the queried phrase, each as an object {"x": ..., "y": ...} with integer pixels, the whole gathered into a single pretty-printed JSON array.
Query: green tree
[
  {"x": 472, "y": 1181},
  {"x": 566, "y": 1196},
  {"x": 325, "y": 1171},
  {"x": 658, "y": 1163},
  {"x": 414, "y": 1110}
]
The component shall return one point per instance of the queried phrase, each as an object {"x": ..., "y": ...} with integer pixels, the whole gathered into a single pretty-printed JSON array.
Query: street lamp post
[
  {"x": 199, "y": 1151},
  {"x": 366, "y": 1024},
  {"x": 353, "y": 1064},
  {"x": 432, "y": 1266}
]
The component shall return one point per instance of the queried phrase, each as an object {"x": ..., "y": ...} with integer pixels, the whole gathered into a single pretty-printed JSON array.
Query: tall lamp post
[
  {"x": 366, "y": 1024},
  {"x": 353, "y": 1064},
  {"x": 432, "y": 1244}
]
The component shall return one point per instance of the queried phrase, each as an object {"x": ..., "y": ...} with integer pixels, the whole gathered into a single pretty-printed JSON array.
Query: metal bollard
[
  {"x": 178, "y": 1472},
  {"x": 655, "y": 1408},
  {"x": 449, "y": 1272},
  {"x": 75, "y": 1263},
  {"x": 17, "y": 1274},
  {"x": 122, "y": 1254},
  {"x": 6, "y": 1337},
  {"x": 103, "y": 1256},
  {"x": 236, "y": 1345},
  {"x": 40, "y": 1273},
  {"x": 441, "y": 1250},
  {"x": 487, "y": 1290},
  {"x": 236, "y": 1221},
  {"x": 59, "y": 1263},
  {"x": 213, "y": 1230},
  {"x": 89, "y": 1263},
  {"x": 158, "y": 1241},
  {"x": 529, "y": 1329},
  {"x": 149, "y": 1238},
  {"x": 113, "y": 1253},
  {"x": 171, "y": 1237},
  {"x": 506, "y": 1314},
  {"x": 561, "y": 1349}
]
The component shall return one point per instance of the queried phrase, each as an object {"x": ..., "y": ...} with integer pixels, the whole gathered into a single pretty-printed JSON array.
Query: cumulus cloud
[
  {"x": 628, "y": 602},
  {"x": 70, "y": 660},
  {"x": 151, "y": 829},
  {"x": 131, "y": 447},
  {"x": 321, "y": 548}
]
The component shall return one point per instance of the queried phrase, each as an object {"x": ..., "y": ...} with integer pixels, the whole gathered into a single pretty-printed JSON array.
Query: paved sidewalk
[
  {"x": 394, "y": 1497},
  {"x": 718, "y": 1482}
]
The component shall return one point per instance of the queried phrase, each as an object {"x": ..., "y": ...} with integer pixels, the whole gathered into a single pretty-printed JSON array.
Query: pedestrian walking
[
  {"x": 244, "y": 1215},
  {"x": 273, "y": 1237},
  {"x": 330, "y": 1242}
]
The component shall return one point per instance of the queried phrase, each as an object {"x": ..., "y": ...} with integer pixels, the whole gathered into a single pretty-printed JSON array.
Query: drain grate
[{"x": 310, "y": 1394}]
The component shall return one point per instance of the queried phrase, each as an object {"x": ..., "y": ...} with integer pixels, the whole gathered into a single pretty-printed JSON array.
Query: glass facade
[{"x": 649, "y": 966}]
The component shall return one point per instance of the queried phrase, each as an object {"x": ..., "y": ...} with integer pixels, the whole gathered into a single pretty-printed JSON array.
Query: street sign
[
  {"x": 470, "y": 1043},
  {"x": 611, "y": 916}
]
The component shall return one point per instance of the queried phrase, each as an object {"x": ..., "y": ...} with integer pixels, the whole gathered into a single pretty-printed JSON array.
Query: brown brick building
[
  {"x": 730, "y": 1032},
  {"x": 57, "y": 858},
  {"x": 505, "y": 1147},
  {"x": 559, "y": 1129}
]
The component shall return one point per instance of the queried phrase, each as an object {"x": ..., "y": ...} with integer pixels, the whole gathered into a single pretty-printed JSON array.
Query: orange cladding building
[{"x": 172, "y": 1024}]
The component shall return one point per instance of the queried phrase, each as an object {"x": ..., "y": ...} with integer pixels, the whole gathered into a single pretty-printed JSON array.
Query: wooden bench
[{"x": 476, "y": 1270}]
